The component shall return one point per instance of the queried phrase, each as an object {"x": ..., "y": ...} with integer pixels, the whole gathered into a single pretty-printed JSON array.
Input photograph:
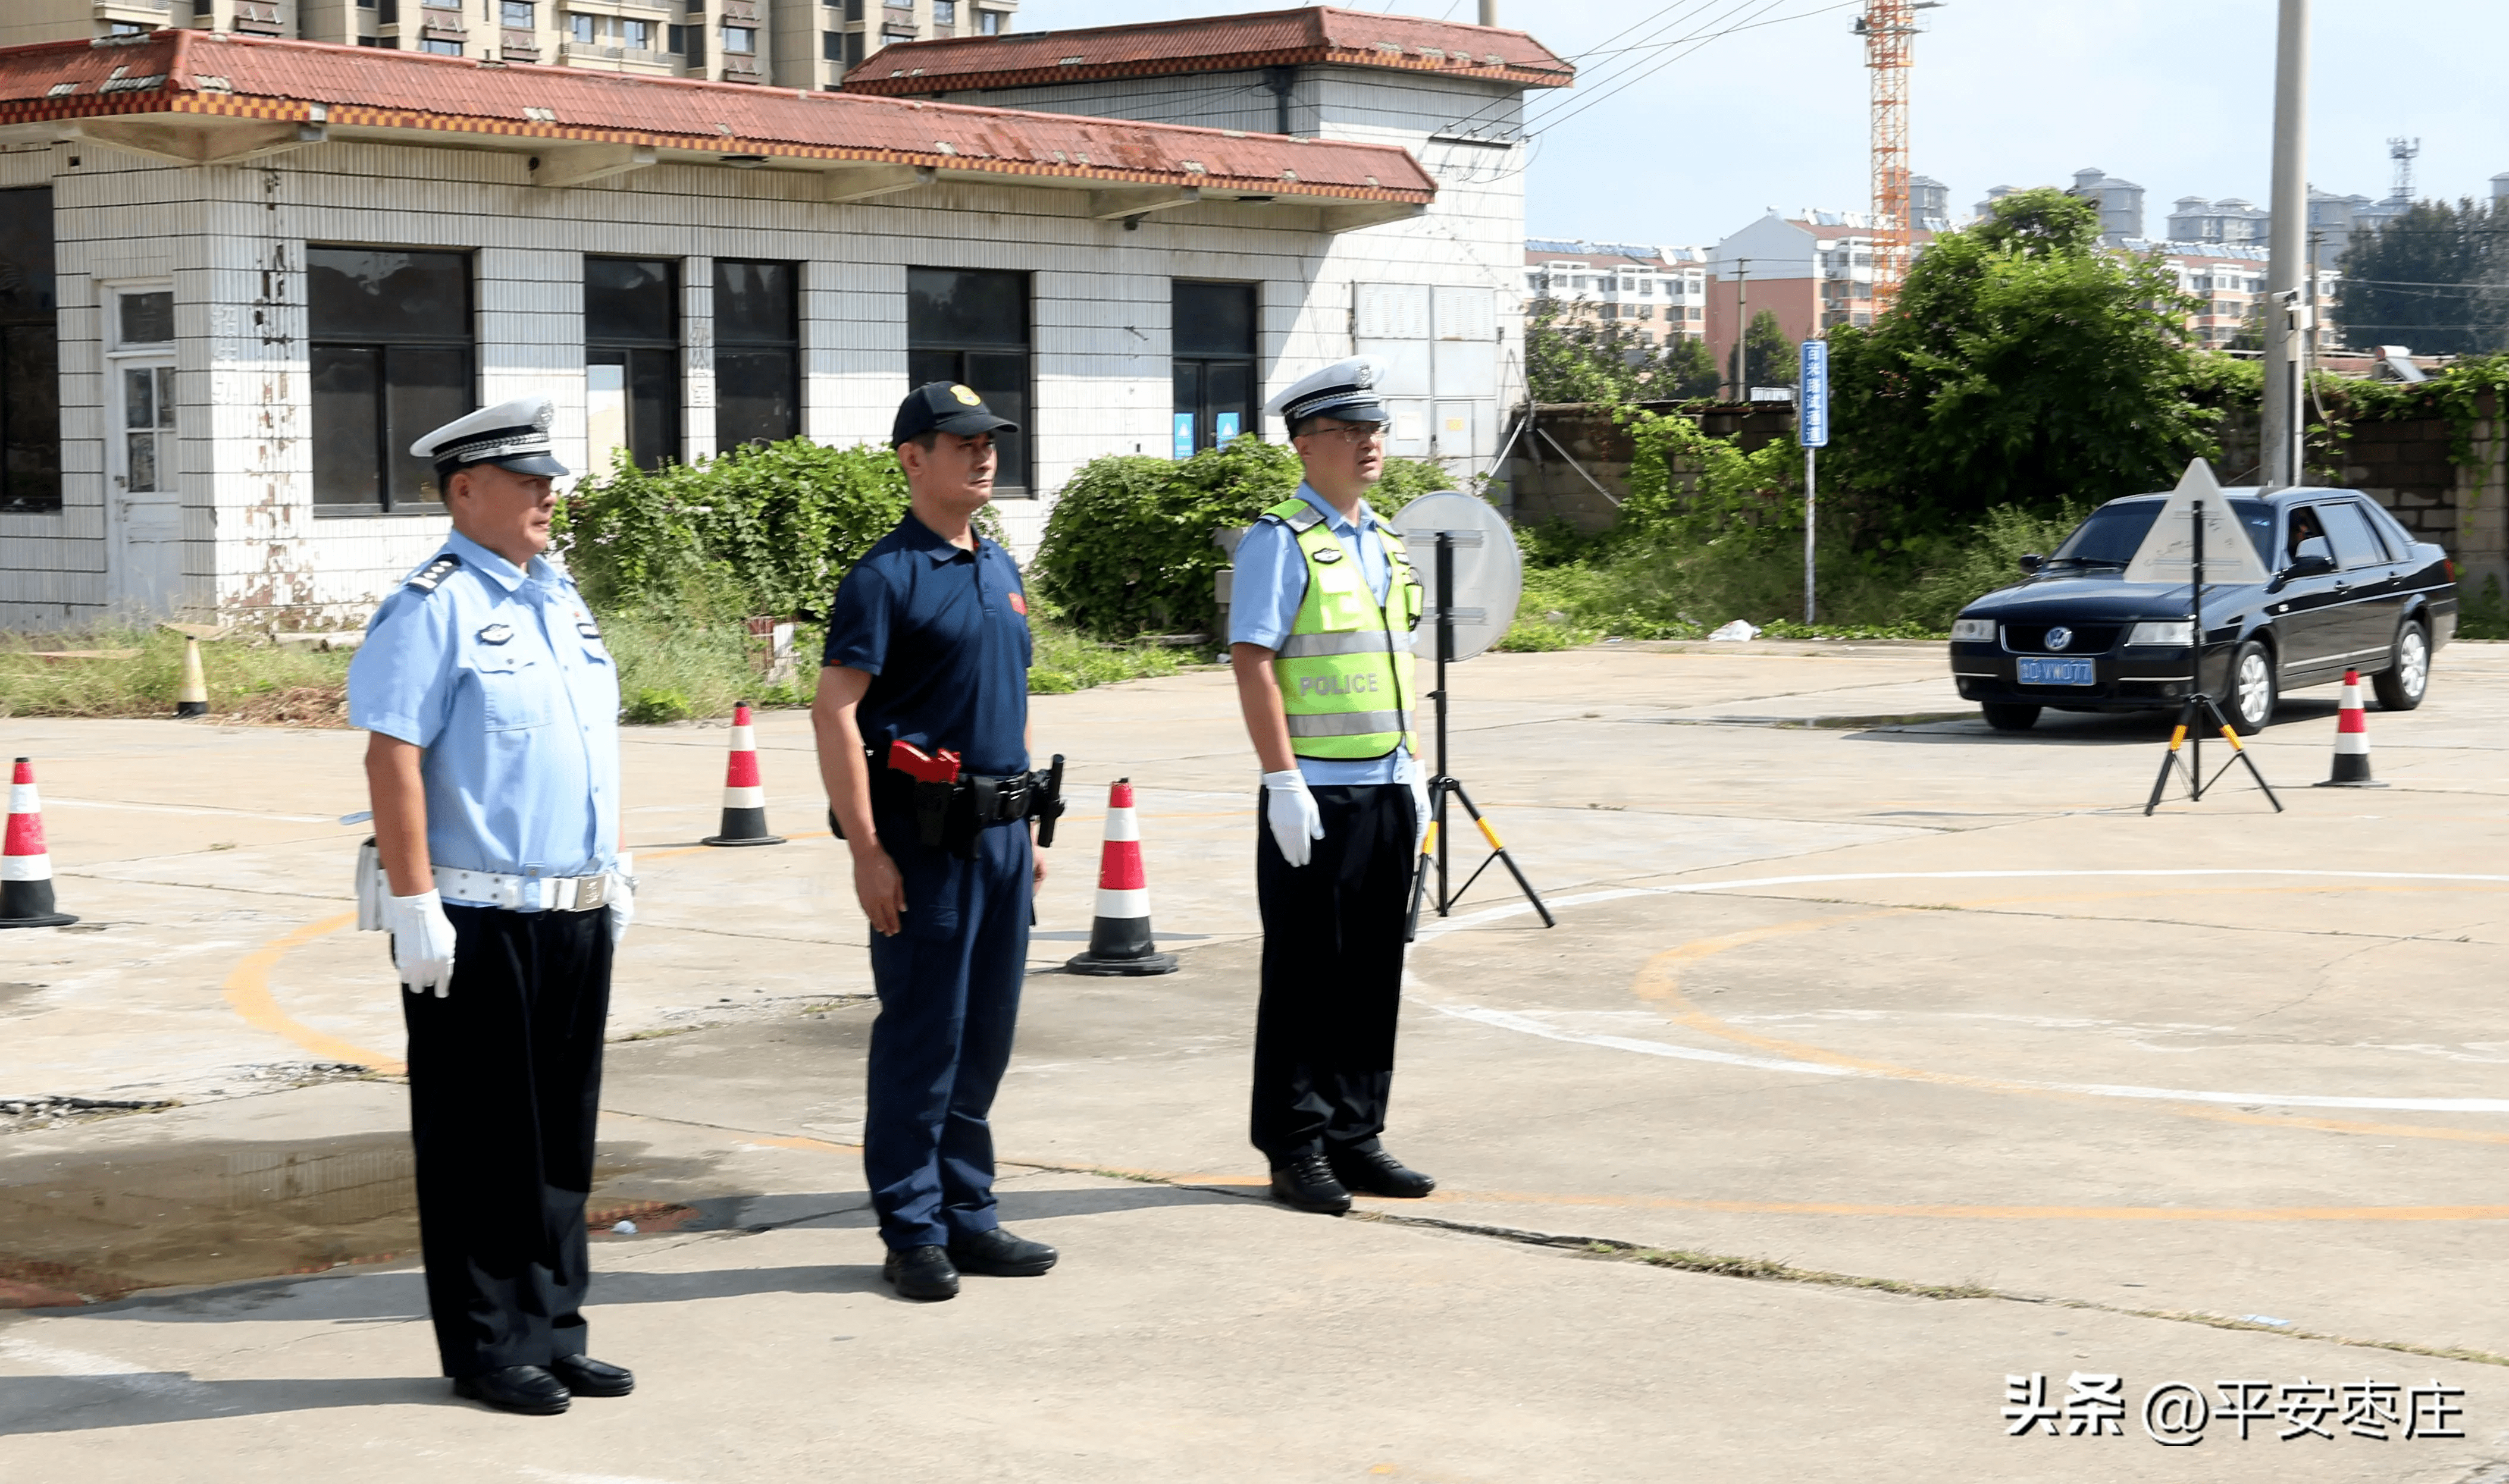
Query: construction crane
[
  {"x": 2402, "y": 152},
  {"x": 1890, "y": 32}
]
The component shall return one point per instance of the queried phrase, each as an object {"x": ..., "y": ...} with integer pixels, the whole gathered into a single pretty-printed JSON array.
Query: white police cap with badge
[
  {"x": 512, "y": 435},
  {"x": 1345, "y": 389}
]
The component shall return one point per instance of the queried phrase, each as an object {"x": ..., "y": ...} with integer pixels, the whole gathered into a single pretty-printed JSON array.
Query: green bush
[
  {"x": 770, "y": 529},
  {"x": 1128, "y": 549}
]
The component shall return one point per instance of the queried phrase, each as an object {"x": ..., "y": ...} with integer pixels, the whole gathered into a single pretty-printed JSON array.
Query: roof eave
[{"x": 228, "y": 112}]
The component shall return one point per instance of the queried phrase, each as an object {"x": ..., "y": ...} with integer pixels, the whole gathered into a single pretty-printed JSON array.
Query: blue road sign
[
  {"x": 1183, "y": 435},
  {"x": 1811, "y": 399}
]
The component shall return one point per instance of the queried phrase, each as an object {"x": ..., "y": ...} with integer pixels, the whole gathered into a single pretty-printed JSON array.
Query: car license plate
[{"x": 2055, "y": 672}]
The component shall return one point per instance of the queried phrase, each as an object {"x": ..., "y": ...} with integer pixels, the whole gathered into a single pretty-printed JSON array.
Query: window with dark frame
[
  {"x": 30, "y": 356},
  {"x": 757, "y": 353},
  {"x": 970, "y": 327},
  {"x": 391, "y": 357},
  {"x": 631, "y": 359},
  {"x": 1212, "y": 343}
]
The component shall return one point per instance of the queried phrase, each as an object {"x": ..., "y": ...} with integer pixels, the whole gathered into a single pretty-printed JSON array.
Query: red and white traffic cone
[
  {"x": 1119, "y": 939},
  {"x": 2351, "y": 740},
  {"x": 745, "y": 796},
  {"x": 25, "y": 866}
]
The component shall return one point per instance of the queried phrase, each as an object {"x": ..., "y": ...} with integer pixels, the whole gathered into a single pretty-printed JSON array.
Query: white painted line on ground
[
  {"x": 1506, "y": 1019},
  {"x": 1531, "y": 1026},
  {"x": 59, "y": 802},
  {"x": 85, "y": 1365}
]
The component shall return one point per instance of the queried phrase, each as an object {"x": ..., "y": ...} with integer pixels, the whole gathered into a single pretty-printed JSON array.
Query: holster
[{"x": 371, "y": 888}]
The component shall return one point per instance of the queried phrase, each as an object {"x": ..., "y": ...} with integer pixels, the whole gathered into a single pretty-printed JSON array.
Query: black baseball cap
[{"x": 945, "y": 407}]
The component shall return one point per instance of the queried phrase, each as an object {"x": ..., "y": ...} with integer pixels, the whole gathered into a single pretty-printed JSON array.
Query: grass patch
[
  {"x": 239, "y": 673},
  {"x": 671, "y": 668}
]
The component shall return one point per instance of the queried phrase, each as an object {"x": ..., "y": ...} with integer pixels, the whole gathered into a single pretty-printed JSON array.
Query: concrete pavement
[{"x": 1839, "y": 984}]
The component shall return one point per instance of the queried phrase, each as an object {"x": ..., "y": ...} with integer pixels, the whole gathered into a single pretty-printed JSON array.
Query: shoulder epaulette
[
  {"x": 427, "y": 577},
  {"x": 1296, "y": 514}
]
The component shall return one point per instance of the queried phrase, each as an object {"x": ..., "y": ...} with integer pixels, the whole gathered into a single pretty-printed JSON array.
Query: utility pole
[
  {"x": 2287, "y": 249},
  {"x": 1489, "y": 12},
  {"x": 1743, "y": 331}
]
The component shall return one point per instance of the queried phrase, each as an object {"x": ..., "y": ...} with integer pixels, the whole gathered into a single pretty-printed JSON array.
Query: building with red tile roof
[
  {"x": 240, "y": 275},
  {"x": 1308, "y": 36}
]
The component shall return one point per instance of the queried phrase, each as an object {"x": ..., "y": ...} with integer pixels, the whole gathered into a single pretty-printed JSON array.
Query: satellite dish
[{"x": 1489, "y": 572}]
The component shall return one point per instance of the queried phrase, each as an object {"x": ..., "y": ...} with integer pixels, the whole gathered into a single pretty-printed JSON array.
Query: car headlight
[
  {"x": 2180, "y": 632},
  {"x": 1974, "y": 630}
]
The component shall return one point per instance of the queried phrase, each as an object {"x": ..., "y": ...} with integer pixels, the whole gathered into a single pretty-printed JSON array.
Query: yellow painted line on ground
[
  {"x": 247, "y": 990},
  {"x": 1659, "y": 979}
]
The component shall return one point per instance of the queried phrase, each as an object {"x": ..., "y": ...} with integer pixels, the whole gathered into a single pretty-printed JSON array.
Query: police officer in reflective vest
[
  {"x": 922, "y": 716},
  {"x": 492, "y": 756},
  {"x": 1322, "y": 612}
]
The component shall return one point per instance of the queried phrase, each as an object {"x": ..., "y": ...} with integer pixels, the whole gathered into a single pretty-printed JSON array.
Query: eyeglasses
[{"x": 1364, "y": 433}]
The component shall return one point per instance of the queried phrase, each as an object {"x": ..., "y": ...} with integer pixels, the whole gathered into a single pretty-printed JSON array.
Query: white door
[
  {"x": 1455, "y": 430},
  {"x": 145, "y": 503}
]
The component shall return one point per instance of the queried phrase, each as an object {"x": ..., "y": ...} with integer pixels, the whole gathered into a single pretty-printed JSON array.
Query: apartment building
[
  {"x": 1657, "y": 294},
  {"x": 800, "y": 44},
  {"x": 1813, "y": 270}
]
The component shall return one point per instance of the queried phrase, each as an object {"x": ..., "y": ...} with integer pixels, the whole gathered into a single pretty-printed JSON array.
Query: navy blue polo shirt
[{"x": 943, "y": 633}]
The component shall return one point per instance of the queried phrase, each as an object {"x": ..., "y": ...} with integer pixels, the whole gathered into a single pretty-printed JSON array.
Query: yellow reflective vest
[{"x": 1345, "y": 668}]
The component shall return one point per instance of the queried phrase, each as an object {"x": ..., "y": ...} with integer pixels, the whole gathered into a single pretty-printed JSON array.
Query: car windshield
[{"x": 2112, "y": 534}]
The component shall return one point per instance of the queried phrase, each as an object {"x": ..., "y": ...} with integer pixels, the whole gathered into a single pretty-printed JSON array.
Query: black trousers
[
  {"x": 1333, "y": 973},
  {"x": 504, "y": 1087}
]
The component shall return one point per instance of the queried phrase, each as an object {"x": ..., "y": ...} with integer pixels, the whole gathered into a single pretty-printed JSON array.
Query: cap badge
[
  {"x": 966, "y": 396},
  {"x": 1364, "y": 375}
]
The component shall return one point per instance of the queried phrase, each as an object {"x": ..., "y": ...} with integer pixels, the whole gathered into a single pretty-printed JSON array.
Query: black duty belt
[{"x": 951, "y": 809}]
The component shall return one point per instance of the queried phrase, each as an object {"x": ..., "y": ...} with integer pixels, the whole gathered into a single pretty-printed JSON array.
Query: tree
[
  {"x": 1690, "y": 368},
  {"x": 1570, "y": 357},
  {"x": 2430, "y": 279},
  {"x": 2021, "y": 365},
  {"x": 1770, "y": 357}
]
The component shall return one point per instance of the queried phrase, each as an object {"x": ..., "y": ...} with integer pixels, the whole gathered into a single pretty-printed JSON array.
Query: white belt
[{"x": 525, "y": 894}]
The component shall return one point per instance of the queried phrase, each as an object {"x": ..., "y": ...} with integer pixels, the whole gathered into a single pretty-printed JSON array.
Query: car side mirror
[
  {"x": 2309, "y": 565},
  {"x": 2032, "y": 561}
]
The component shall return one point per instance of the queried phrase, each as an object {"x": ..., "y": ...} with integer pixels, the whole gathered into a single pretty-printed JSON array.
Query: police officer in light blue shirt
[{"x": 491, "y": 707}]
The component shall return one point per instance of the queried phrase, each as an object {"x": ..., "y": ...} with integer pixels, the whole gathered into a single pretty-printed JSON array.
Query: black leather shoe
[
  {"x": 999, "y": 1254},
  {"x": 921, "y": 1272},
  {"x": 1307, "y": 1183},
  {"x": 525, "y": 1388},
  {"x": 586, "y": 1377},
  {"x": 1379, "y": 1174}
]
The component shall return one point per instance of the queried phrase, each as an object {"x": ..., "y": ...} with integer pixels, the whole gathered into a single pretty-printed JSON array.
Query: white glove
[
  {"x": 623, "y": 897},
  {"x": 422, "y": 942},
  {"x": 1291, "y": 810},
  {"x": 1410, "y": 771}
]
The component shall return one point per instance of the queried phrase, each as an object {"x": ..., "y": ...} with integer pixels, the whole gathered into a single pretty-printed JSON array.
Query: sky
[{"x": 2175, "y": 95}]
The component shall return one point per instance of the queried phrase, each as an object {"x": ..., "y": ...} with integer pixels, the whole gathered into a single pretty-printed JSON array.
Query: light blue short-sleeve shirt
[
  {"x": 1270, "y": 582},
  {"x": 500, "y": 674}
]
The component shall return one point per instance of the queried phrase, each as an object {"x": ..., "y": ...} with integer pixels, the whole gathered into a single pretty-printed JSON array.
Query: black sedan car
[{"x": 2351, "y": 590}]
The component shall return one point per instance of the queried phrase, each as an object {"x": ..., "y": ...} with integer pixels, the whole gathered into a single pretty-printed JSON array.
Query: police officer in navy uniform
[
  {"x": 926, "y": 658},
  {"x": 492, "y": 757},
  {"x": 1322, "y": 609}
]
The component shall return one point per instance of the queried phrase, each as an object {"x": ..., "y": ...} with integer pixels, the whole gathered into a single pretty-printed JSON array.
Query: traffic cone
[
  {"x": 192, "y": 698},
  {"x": 744, "y": 797},
  {"x": 2351, "y": 740},
  {"x": 25, "y": 866},
  {"x": 1119, "y": 939}
]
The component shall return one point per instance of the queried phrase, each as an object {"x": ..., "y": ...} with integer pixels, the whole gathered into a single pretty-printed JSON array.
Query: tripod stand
[
  {"x": 2199, "y": 707},
  {"x": 1443, "y": 784}
]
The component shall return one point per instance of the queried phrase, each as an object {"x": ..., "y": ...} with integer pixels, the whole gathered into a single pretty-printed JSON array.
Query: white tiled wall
[{"x": 233, "y": 238}]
